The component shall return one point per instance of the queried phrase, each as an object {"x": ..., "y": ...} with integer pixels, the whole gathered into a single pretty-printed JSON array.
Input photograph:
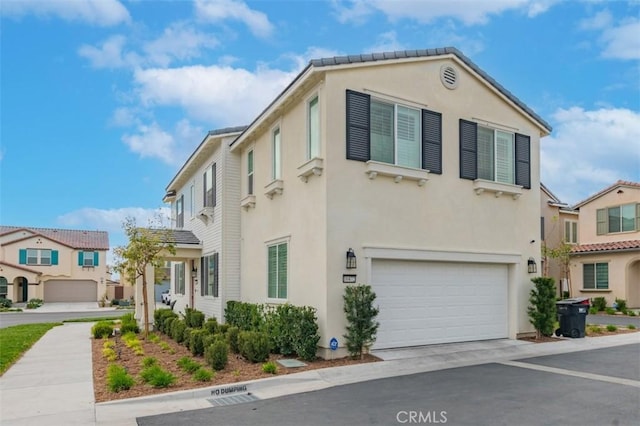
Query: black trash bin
[{"x": 572, "y": 315}]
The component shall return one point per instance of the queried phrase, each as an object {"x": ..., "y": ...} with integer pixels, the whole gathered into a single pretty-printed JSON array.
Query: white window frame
[
  {"x": 192, "y": 200},
  {"x": 496, "y": 156},
  {"x": 251, "y": 164},
  {"x": 396, "y": 106},
  {"x": 208, "y": 276},
  {"x": 180, "y": 212},
  {"x": 42, "y": 258},
  {"x": 276, "y": 244},
  {"x": 33, "y": 254},
  {"x": 570, "y": 231},
  {"x": 313, "y": 133},
  {"x": 89, "y": 258},
  {"x": 276, "y": 153},
  {"x": 179, "y": 277}
]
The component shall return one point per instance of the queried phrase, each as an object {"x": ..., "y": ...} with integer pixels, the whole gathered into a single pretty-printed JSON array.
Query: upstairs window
[
  {"x": 250, "y": 173},
  {"x": 210, "y": 186},
  {"x": 571, "y": 231},
  {"x": 393, "y": 133},
  {"x": 276, "y": 166},
  {"x": 43, "y": 257},
  {"x": 180, "y": 212},
  {"x": 88, "y": 258},
  {"x": 494, "y": 155},
  {"x": 192, "y": 201},
  {"x": 313, "y": 126},
  {"x": 624, "y": 218}
]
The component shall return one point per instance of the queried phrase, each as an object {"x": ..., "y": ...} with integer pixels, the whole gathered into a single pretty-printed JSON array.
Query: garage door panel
[
  {"x": 70, "y": 291},
  {"x": 439, "y": 302}
]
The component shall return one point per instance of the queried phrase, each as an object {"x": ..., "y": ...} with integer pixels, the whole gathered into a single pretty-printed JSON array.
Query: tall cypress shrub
[
  {"x": 542, "y": 308},
  {"x": 361, "y": 318}
]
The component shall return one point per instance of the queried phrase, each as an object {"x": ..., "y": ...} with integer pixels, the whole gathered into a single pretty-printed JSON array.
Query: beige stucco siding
[{"x": 587, "y": 233}]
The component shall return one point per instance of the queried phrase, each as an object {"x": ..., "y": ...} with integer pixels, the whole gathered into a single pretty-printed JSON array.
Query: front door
[{"x": 25, "y": 289}]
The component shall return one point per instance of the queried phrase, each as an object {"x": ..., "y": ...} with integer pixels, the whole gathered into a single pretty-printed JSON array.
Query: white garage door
[
  {"x": 424, "y": 303},
  {"x": 70, "y": 291}
]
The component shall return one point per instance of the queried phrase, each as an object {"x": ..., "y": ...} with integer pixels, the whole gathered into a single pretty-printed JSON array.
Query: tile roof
[
  {"x": 74, "y": 238},
  {"x": 612, "y": 246},
  {"x": 598, "y": 194}
]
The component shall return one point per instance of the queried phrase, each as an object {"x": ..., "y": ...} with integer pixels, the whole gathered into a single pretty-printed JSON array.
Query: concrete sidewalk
[{"x": 52, "y": 384}]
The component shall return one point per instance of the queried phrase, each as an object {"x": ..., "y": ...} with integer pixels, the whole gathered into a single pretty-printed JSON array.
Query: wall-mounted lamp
[
  {"x": 194, "y": 273},
  {"x": 531, "y": 266},
  {"x": 351, "y": 259}
]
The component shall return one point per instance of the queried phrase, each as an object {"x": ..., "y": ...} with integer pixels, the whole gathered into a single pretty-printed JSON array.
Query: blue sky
[{"x": 102, "y": 100}]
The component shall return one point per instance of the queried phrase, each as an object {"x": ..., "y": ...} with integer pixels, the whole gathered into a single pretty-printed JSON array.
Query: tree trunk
[{"x": 144, "y": 305}]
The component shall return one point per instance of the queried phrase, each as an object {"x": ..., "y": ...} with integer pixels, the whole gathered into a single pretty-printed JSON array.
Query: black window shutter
[
  {"x": 203, "y": 277},
  {"x": 215, "y": 275},
  {"x": 358, "y": 118},
  {"x": 213, "y": 179},
  {"x": 523, "y": 161},
  {"x": 432, "y": 141},
  {"x": 468, "y": 150},
  {"x": 204, "y": 189}
]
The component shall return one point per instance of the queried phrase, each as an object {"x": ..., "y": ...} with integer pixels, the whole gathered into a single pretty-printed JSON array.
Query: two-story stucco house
[
  {"x": 558, "y": 225},
  {"x": 606, "y": 262},
  {"x": 56, "y": 265},
  {"x": 412, "y": 171}
]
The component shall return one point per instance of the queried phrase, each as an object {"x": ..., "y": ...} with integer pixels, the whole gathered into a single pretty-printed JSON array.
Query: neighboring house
[
  {"x": 558, "y": 225},
  {"x": 56, "y": 265},
  {"x": 412, "y": 171},
  {"x": 606, "y": 262}
]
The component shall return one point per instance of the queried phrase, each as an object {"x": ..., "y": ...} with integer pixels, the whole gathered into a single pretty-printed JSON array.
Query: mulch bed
[
  {"x": 237, "y": 369},
  {"x": 590, "y": 333}
]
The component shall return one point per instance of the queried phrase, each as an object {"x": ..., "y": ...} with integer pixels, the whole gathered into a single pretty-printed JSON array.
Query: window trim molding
[
  {"x": 276, "y": 169},
  {"x": 497, "y": 188},
  {"x": 312, "y": 167},
  {"x": 274, "y": 243},
  {"x": 398, "y": 173},
  {"x": 309, "y": 154}
]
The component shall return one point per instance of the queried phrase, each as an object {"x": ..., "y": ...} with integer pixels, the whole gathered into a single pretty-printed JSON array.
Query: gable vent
[{"x": 449, "y": 76}]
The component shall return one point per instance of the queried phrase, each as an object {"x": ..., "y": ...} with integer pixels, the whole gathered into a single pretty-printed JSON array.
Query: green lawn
[{"x": 16, "y": 340}]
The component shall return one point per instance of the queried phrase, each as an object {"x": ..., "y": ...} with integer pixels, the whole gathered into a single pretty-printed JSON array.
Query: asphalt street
[
  {"x": 597, "y": 387},
  {"x": 613, "y": 320}
]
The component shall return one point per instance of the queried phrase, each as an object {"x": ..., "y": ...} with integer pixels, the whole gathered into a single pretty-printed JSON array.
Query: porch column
[{"x": 151, "y": 307}]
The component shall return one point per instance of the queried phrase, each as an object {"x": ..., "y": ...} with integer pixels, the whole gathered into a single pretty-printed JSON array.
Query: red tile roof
[
  {"x": 77, "y": 239},
  {"x": 613, "y": 246}
]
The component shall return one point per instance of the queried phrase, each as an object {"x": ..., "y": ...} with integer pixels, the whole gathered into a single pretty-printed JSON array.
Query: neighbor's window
[
  {"x": 313, "y": 124},
  {"x": 624, "y": 218},
  {"x": 3, "y": 287},
  {"x": 210, "y": 186},
  {"x": 250, "y": 172},
  {"x": 179, "y": 277},
  {"x": 395, "y": 134},
  {"x": 180, "y": 212},
  {"x": 571, "y": 231},
  {"x": 209, "y": 268},
  {"x": 595, "y": 276},
  {"x": 45, "y": 257},
  {"x": 32, "y": 256},
  {"x": 496, "y": 155},
  {"x": 88, "y": 258},
  {"x": 276, "y": 167},
  {"x": 277, "y": 271}
]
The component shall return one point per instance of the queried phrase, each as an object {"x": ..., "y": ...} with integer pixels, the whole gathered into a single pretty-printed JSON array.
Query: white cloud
[
  {"x": 152, "y": 141},
  {"x": 179, "y": 41},
  {"x": 600, "y": 20},
  {"x": 590, "y": 150},
  {"x": 111, "y": 220},
  {"x": 622, "y": 42},
  {"x": 470, "y": 12},
  {"x": 109, "y": 54},
  {"x": 223, "y": 10},
  {"x": 219, "y": 94},
  {"x": 94, "y": 12},
  {"x": 386, "y": 42}
]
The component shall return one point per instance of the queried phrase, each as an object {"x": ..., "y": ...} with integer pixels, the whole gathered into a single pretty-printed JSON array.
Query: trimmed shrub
[
  {"x": 306, "y": 337},
  {"x": 611, "y": 327},
  {"x": 270, "y": 367},
  {"x": 5, "y": 303},
  {"x": 245, "y": 316},
  {"x": 203, "y": 375},
  {"x": 193, "y": 318},
  {"x": 196, "y": 341},
  {"x": 186, "y": 336},
  {"x": 631, "y": 313},
  {"x": 217, "y": 355},
  {"x": 160, "y": 316},
  {"x": 178, "y": 327},
  {"x": 157, "y": 377},
  {"x": 621, "y": 305},
  {"x": 280, "y": 325},
  {"x": 118, "y": 379},
  {"x": 34, "y": 303},
  {"x": 168, "y": 325},
  {"x": 595, "y": 329},
  {"x": 102, "y": 329},
  {"x": 232, "y": 338},
  {"x": 593, "y": 310},
  {"x": 222, "y": 328},
  {"x": 600, "y": 303},
  {"x": 254, "y": 345},
  {"x": 631, "y": 327},
  {"x": 542, "y": 305},
  {"x": 211, "y": 325},
  {"x": 610, "y": 311},
  {"x": 188, "y": 364},
  {"x": 129, "y": 326},
  {"x": 360, "y": 313}
]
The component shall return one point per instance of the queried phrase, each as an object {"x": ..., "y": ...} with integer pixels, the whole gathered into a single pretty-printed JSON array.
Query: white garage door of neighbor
[
  {"x": 423, "y": 303},
  {"x": 70, "y": 291}
]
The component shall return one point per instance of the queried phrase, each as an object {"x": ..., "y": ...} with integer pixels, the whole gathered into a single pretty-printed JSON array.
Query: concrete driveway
[{"x": 71, "y": 307}]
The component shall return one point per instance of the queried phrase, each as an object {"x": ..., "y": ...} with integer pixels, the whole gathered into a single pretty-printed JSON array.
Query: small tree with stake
[
  {"x": 542, "y": 308},
  {"x": 147, "y": 246},
  {"x": 361, "y": 314}
]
